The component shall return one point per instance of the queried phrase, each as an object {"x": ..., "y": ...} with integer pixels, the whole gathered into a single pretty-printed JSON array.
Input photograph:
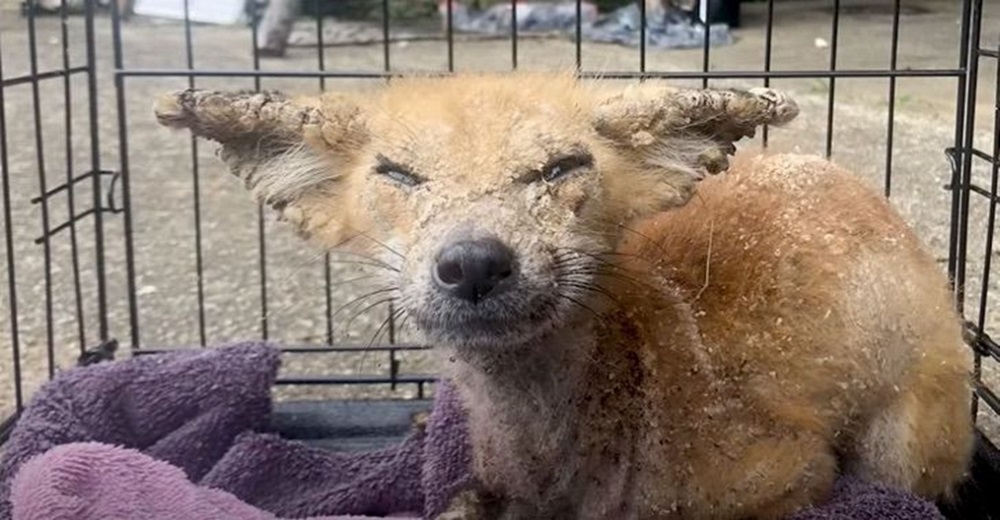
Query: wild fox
[{"x": 625, "y": 347}]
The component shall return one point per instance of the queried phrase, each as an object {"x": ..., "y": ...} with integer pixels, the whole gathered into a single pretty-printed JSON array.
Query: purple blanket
[{"x": 177, "y": 436}]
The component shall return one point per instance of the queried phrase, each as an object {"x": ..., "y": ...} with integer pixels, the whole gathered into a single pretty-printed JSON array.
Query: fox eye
[
  {"x": 397, "y": 172},
  {"x": 563, "y": 166}
]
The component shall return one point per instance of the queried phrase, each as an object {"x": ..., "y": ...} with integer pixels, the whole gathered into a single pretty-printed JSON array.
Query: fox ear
[
  {"x": 685, "y": 134},
  {"x": 290, "y": 154}
]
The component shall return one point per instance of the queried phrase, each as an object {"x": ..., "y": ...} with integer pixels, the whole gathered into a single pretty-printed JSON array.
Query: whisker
[
  {"x": 335, "y": 249},
  {"x": 655, "y": 244},
  {"x": 287, "y": 305},
  {"x": 283, "y": 283},
  {"x": 383, "y": 328},
  {"x": 383, "y": 244},
  {"x": 598, "y": 272},
  {"x": 351, "y": 280},
  {"x": 363, "y": 263},
  {"x": 378, "y": 332},
  {"x": 579, "y": 304},
  {"x": 600, "y": 257},
  {"x": 361, "y": 298},
  {"x": 588, "y": 258},
  {"x": 598, "y": 254},
  {"x": 404, "y": 321},
  {"x": 592, "y": 288},
  {"x": 380, "y": 301},
  {"x": 367, "y": 258}
]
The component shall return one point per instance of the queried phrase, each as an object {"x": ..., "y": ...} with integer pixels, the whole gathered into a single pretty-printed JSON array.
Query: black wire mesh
[
  {"x": 95, "y": 194},
  {"x": 81, "y": 212},
  {"x": 974, "y": 159}
]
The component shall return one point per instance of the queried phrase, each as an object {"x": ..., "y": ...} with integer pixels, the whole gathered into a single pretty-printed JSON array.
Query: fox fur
[{"x": 677, "y": 345}]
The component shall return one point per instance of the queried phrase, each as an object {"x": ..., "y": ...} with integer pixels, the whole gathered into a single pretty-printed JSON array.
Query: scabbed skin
[{"x": 672, "y": 346}]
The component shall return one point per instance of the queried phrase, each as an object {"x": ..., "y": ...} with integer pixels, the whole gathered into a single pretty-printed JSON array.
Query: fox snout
[{"x": 473, "y": 270}]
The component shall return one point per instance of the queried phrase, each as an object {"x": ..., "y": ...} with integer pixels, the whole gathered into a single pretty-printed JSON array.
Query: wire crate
[{"x": 121, "y": 239}]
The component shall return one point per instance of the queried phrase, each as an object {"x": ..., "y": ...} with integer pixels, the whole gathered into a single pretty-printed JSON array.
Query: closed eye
[
  {"x": 559, "y": 167},
  {"x": 397, "y": 172}
]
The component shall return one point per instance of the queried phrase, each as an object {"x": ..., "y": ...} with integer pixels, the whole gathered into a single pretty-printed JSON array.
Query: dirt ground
[{"x": 161, "y": 179}]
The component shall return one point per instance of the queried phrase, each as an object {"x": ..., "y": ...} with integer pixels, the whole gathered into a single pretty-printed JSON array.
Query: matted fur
[{"x": 669, "y": 348}]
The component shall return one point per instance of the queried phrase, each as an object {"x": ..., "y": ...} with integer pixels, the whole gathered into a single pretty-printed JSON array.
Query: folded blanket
[
  {"x": 94, "y": 480},
  {"x": 183, "y": 436},
  {"x": 184, "y": 408}
]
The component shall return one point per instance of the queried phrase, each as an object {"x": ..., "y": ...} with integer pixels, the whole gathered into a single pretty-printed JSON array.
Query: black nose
[{"x": 473, "y": 269}]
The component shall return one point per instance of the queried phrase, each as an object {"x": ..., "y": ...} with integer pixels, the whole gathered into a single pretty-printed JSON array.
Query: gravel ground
[{"x": 161, "y": 180}]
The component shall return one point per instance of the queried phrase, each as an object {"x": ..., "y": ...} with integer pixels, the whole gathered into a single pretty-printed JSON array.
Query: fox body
[{"x": 627, "y": 346}]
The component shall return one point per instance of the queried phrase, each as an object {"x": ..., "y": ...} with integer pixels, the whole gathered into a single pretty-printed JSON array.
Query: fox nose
[{"x": 474, "y": 269}]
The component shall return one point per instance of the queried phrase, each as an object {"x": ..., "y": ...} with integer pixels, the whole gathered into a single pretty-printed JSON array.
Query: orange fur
[{"x": 670, "y": 348}]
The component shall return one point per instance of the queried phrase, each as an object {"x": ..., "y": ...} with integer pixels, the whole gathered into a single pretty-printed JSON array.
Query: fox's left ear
[
  {"x": 687, "y": 133},
  {"x": 290, "y": 154}
]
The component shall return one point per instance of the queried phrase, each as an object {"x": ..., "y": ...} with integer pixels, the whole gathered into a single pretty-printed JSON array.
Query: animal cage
[{"x": 122, "y": 239}]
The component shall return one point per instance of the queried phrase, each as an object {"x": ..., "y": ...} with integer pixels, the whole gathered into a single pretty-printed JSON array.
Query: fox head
[{"x": 493, "y": 198}]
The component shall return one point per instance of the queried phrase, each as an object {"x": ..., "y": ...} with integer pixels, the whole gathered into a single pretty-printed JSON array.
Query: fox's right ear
[
  {"x": 686, "y": 134},
  {"x": 291, "y": 155}
]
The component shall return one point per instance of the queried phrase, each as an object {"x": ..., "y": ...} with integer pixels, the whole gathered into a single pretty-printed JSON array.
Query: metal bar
[
  {"x": 715, "y": 74},
  {"x": 387, "y": 68},
  {"x": 15, "y": 334},
  {"x": 353, "y": 380},
  {"x": 642, "y": 36},
  {"x": 7, "y": 426},
  {"x": 392, "y": 322},
  {"x": 979, "y": 191},
  {"x": 834, "y": 44},
  {"x": 196, "y": 187},
  {"x": 346, "y": 348},
  {"x": 706, "y": 59},
  {"x": 36, "y": 106},
  {"x": 385, "y": 34},
  {"x": 28, "y": 78},
  {"x": 320, "y": 50},
  {"x": 977, "y": 153},
  {"x": 971, "y": 42},
  {"x": 989, "y": 53},
  {"x": 513, "y": 34},
  {"x": 133, "y": 304},
  {"x": 327, "y": 268},
  {"x": 578, "y": 42},
  {"x": 990, "y": 222},
  {"x": 63, "y": 187},
  {"x": 960, "y": 109},
  {"x": 891, "y": 123},
  {"x": 450, "y": 34},
  {"x": 70, "y": 199},
  {"x": 307, "y": 349},
  {"x": 393, "y": 369},
  {"x": 768, "y": 47},
  {"x": 988, "y": 396},
  {"x": 51, "y": 232},
  {"x": 968, "y": 143},
  {"x": 328, "y": 296},
  {"x": 95, "y": 170},
  {"x": 981, "y": 341},
  {"x": 261, "y": 228}
]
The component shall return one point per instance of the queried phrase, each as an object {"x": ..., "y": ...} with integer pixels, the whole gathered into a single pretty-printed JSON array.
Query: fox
[{"x": 642, "y": 323}]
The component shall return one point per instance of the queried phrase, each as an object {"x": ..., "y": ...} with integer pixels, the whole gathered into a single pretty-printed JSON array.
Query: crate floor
[{"x": 348, "y": 425}]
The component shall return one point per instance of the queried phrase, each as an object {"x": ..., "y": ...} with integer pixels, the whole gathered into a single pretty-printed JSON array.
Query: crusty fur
[{"x": 672, "y": 348}]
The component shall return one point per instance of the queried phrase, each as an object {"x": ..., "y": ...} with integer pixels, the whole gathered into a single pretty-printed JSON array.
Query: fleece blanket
[{"x": 184, "y": 436}]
